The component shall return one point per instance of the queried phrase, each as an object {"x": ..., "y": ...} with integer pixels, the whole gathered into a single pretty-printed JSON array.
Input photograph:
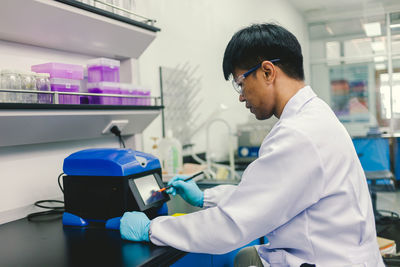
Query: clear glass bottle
[
  {"x": 43, "y": 84},
  {"x": 28, "y": 82},
  {"x": 10, "y": 80}
]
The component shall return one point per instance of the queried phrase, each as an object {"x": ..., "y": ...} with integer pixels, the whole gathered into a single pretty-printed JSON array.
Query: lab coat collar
[{"x": 297, "y": 101}]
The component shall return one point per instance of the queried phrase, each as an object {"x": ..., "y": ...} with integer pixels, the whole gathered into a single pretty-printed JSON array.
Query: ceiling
[
  {"x": 319, "y": 10},
  {"x": 309, "y": 5},
  {"x": 328, "y": 18}
]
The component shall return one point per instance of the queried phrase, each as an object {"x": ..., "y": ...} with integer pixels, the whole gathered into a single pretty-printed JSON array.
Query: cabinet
[{"x": 71, "y": 26}]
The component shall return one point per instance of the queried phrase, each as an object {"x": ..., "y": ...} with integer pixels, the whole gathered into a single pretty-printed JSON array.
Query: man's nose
[{"x": 241, "y": 98}]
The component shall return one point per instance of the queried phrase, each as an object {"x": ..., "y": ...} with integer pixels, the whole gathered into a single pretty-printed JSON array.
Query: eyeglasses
[{"x": 237, "y": 84}]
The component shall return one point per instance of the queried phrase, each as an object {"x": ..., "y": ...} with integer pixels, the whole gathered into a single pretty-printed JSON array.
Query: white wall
[{"x": 198, "y": 32}]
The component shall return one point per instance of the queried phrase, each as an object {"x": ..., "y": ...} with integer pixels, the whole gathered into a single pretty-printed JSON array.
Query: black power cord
[
  {"x": 59, "y": 183},
  {"x": 115, "y": 130},
  {"x": 52, "y": 210}
]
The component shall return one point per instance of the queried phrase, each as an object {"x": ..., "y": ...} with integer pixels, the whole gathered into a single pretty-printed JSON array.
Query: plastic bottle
[
  {"x": 154, "y": 149},
  {"x": 170, "y": 152}
]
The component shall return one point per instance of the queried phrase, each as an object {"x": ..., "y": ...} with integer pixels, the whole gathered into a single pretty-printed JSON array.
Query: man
[{"x": 306, "y": 191}]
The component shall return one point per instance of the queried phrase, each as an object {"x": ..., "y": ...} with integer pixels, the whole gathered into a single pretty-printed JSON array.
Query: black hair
[{"x": 258, "y": 42}]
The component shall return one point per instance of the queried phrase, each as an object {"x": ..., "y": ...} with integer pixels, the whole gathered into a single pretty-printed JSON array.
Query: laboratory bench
[{"x": 48, "y": 243}]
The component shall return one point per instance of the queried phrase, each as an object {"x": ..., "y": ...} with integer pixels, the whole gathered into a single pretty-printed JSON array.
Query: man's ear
[{"x": 269, "y": 70}]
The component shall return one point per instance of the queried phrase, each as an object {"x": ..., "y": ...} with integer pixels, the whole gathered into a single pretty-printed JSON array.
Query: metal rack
[
  {"x": 180, "y": 87},
  {"x": 138, "y": 21},
  {"x": 141, "y": 18},
  {"x": 156, "y": 100}
]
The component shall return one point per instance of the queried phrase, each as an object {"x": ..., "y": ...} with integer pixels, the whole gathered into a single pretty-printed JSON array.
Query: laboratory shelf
[
  {"x": 74, "y": 27},
  {"x": 42, "y": 123},
  {"x": 19, "y": 106}
]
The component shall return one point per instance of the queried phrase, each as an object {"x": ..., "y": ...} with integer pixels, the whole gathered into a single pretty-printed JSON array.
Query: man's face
[{"x": 258, "y": 95}]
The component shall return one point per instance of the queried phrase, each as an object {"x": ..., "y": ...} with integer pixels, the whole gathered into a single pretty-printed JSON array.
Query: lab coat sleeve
[
  {"x": 214, "y": 195},
  {"x": 287, "y": 178}
]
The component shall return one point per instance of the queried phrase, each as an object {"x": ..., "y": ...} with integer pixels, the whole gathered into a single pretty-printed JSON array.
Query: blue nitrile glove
[
  {"x": 189, "y": 190},
  {"x": 135, "y": 226}
]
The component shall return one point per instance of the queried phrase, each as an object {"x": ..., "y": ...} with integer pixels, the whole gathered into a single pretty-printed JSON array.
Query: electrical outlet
[{"x": 119, "y": 123}]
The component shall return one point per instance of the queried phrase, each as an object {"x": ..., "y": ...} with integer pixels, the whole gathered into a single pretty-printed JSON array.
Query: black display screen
[{"x": 148, "y": 189}]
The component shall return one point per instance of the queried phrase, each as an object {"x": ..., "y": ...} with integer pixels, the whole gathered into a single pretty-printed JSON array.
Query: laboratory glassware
[
  {"x": 10, "y": 80},
  {"x": 28, "y": 82}
]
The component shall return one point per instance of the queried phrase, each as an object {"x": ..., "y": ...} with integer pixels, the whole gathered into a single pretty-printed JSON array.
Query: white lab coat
[{"x": 306, "y": 191}]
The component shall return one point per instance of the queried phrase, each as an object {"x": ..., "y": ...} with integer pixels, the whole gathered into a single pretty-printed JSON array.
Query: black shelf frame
[
  {"x": 21, "y": 106},
  {"x": 108, "y": 14}
]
